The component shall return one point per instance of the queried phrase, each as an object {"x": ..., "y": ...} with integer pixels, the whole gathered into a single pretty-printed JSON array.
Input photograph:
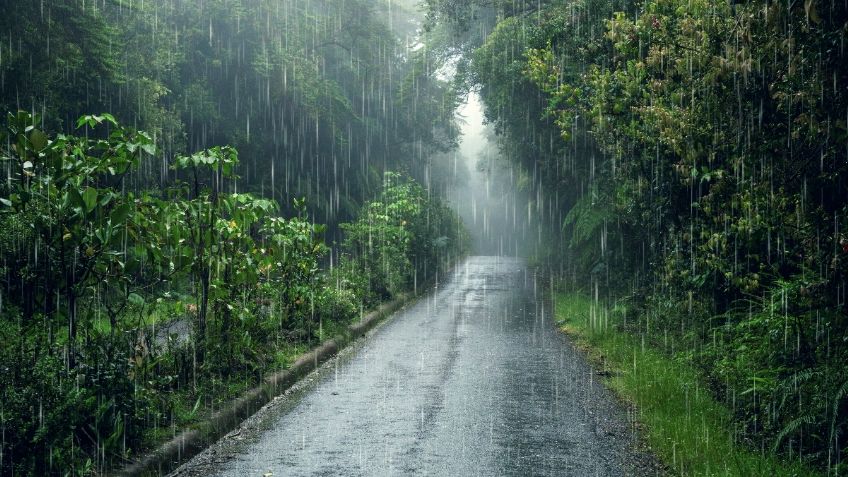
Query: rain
[{"x": 441, "y": 237}]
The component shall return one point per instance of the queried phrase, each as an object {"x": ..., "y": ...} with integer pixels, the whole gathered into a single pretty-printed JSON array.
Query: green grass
[
  {"x": 688, "y": 430},
  {"x": 285, "y": 356}
]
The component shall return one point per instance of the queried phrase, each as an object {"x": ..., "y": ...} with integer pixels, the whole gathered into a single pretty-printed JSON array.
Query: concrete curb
[{"x": 191, "y": 442}]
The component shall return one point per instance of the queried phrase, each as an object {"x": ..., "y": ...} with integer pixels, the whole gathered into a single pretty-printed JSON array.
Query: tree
[{"x": 69, "y": 188}]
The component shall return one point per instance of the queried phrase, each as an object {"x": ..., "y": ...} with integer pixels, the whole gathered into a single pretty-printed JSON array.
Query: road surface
[{"x": 473, "y": 379}]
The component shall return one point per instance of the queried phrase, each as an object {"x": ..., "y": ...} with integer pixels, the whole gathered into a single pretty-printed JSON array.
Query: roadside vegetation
[
  {"x": 689, "y": 158},
  {"x": 92, "y": 270},
  {"x": 691, "y": 432},
  {"x": 146, "y": 277}
]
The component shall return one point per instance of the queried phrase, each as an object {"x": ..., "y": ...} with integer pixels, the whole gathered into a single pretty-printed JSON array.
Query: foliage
[
  {"x": 695, "y": 155},
  {"x": 320, "y": 96},
  {"x": 91, "y": 271},
  {"x": 67, "y": 191},
  {"x": 184, "y": 266},
  {"x": 400, "y": 239},
  {"x": 691, "y": 431}
]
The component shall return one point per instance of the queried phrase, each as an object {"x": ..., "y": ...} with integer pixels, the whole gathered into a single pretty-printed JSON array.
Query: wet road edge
[{"x": 192, "y": 441}]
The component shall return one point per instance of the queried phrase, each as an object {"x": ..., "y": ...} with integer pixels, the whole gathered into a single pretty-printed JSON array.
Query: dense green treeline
[
  {"x": 318, "y": 96},
  {"x": 693, "y": 158}
]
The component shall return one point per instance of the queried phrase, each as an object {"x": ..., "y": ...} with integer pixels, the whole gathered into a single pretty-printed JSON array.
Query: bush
[
  {"x": 400, "y": 239},
  {"x": 55, "y": 418},
  {"x": 336, "y": 304}
]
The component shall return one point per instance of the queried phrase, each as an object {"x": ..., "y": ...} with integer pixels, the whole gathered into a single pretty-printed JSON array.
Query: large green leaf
[
  {"x": 38, "y": 139},
  {"x": 75, "y": 200},
  {"x": 89, "y": 198},
  {"x": 120, "y": 214}
]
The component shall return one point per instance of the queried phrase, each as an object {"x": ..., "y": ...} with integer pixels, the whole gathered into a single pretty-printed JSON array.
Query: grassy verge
[{"x": 690, "y": 431}]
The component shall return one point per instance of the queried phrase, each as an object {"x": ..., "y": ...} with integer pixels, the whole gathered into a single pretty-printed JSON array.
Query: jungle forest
[{"x": 442, "y": 237}]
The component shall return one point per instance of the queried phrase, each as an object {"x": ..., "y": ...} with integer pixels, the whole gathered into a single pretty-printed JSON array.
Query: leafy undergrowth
[
  {"x": 192, "y": 406},
  {"x": 88, "y": 377},
  {"x": 685, "y": 426}
]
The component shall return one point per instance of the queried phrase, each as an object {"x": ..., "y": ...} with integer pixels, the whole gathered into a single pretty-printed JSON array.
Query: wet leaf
[
  {"x": 89, "y": 198},
  {"x": 38, "y": 139},
  {"x": 120, "y": 214}
]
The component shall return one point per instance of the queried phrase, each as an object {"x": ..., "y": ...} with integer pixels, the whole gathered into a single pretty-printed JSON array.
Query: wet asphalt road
[{"x": 473, "y": 379}]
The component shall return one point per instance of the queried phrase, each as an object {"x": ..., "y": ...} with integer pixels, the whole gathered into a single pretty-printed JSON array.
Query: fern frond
[{"x": 586, "y": 218}]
